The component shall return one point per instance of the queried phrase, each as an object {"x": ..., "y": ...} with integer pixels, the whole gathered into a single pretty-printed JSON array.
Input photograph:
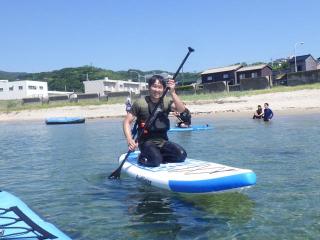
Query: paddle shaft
[
  {"x": 150, "y": 120},
  {"x": 179, "y": 118}
]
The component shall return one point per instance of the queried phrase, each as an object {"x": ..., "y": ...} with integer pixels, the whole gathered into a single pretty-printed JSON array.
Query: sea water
[{"x": 61, "y": 172}]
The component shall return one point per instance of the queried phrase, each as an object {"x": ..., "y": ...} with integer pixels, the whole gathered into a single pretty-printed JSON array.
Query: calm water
[{"x": 61, "y": 171}]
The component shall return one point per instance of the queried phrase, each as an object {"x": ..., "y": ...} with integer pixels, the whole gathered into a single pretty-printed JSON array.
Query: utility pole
[{"x": 295, "y": 55}]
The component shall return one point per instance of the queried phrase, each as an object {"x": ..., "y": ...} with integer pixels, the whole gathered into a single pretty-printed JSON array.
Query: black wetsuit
[
  {"x": 154, "y": 144},
  {"x": 258, "y": 115},
  {"x": 185, "y": 117}
]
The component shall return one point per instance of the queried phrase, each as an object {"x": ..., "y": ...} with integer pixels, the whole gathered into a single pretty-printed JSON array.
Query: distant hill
[
  {"x": 10, "y": 75},
  {"x": 71, "y": 79}
]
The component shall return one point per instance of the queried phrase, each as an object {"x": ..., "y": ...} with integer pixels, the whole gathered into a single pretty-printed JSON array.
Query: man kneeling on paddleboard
[{"x": 154, "y": 144}]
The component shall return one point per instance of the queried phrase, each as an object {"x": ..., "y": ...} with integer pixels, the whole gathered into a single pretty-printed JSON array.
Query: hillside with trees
[{"x": 70, "y": 79}]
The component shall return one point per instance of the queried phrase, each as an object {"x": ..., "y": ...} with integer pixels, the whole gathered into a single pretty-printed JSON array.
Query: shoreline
[
  {"x": 281, "y": 103},
  {"x": 216, "y": 115}
]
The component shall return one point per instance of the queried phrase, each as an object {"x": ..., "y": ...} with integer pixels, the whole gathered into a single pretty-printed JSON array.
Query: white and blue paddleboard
[
  {"x": 192, "y": 128},
  {"x": 64, "y": 120},
  {"x": 191, "y": 176},
  {"x": 18, "y": 221}
]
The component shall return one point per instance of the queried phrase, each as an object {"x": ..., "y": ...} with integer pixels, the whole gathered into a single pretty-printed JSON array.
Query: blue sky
[{"x": 43, "y": 35}]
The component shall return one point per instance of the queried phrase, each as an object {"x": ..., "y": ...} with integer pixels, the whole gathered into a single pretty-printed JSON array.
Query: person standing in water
[
  {"x": 128, "y": 104},
  {"x": 154, "y": 144},
  {"x": 267, "y": 113}
]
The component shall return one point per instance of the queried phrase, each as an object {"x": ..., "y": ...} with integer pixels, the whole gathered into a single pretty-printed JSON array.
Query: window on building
[
  {"x": 20, "y": 87},
  {"x": 225, "y": 75},
  {"x": 1, "y": 89},
  {"x": 11, "y": 88},
  {"x": 41, "y": 87},
  {"x": 254, "y": 74},
  {"x": 242, "y": 76},
  {"x": 32, "y": 87},
  {"x": 299, "y": 68},
  {"x": 209, "y": 78}
]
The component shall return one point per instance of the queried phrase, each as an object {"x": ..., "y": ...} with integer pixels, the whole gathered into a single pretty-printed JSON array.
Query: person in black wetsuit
[
  {"x": 154, "y": 144},
  {"x": 258, "y": 113},
  {"x": 184, "y": 118}
]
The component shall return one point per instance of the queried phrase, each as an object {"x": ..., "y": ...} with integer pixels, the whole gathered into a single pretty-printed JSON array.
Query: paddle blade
[{"x": 115, "y": 174}]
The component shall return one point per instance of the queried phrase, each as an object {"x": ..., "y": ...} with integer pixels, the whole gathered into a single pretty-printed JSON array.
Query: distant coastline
[{"x": 301, "y": 101}]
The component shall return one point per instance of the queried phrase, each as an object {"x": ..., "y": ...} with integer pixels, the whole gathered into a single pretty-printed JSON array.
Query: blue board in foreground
[
  {"x": 64, "y": 120},
  {"x": 18, "y": 221},
  {"x": 191, "y": 176},
  {"x": 193, "y": 128}
]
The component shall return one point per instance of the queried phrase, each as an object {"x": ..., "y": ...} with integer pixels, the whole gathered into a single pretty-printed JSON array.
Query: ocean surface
[{"x": 61, "y": 172}]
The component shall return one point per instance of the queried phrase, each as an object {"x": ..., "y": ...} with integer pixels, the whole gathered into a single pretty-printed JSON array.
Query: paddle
[
  {"x": 134, "y": 129},
  {"x": 179, "y": 118},
  {"x": 151, "y": 118}
]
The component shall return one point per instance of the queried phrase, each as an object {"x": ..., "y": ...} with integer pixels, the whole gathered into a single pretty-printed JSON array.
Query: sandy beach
[{"x": 301, "y": 101}]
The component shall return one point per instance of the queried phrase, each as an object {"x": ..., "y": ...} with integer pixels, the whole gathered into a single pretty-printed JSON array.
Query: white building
[
  {"x": 22, "y": 89},
  {"x": 105, "y": 85}
]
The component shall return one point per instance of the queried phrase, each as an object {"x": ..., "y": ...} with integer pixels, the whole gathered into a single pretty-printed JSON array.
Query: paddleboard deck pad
[
  {"x": 18, "y": 221},
  {"x": 192, "y": 128},
  {"x": 191, "y": 176}
]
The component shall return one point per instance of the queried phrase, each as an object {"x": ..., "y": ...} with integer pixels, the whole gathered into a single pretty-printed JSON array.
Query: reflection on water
[
  {"x": 234, "y": 206},
  {"x": 134, "y": 210},
  {"x": 159, "y": 214},
  {"x": 152, "y": 214}
]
